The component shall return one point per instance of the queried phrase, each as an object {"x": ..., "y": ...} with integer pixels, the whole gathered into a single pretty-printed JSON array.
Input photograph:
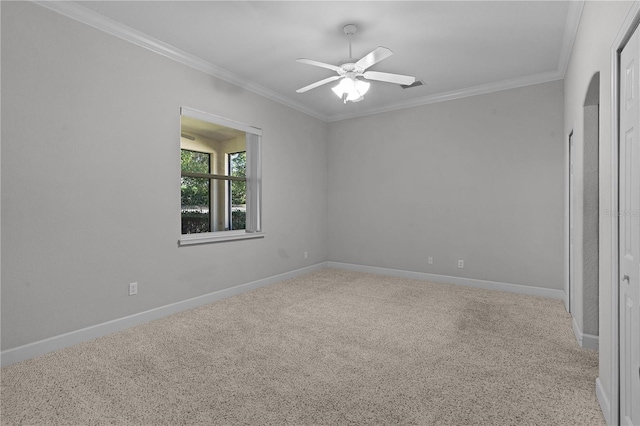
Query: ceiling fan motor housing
[
  {"x": 350, "y": 29},
  {"x": 350, "y": 67}
]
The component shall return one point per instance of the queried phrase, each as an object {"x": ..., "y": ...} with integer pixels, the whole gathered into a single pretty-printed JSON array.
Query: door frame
[
  {"x": 569, "y": 191},
  {"x": 623, "y": 36}
]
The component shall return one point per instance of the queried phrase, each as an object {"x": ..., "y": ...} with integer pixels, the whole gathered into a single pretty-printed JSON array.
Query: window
[{"x": 220, "y": 182}]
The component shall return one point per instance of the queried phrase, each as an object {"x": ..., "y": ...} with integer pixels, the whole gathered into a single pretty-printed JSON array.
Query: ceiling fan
[{"x": 351, "y": 87}]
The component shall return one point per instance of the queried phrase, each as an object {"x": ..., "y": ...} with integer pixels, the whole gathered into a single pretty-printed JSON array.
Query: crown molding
[
  {"x": 456, "y": 94},
  {"x": 570, "y": 30},
  {"x": 101, "y": 22}
]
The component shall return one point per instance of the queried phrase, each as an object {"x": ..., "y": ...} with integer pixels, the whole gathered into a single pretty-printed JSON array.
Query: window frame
[{"x": 253, "y": 178}]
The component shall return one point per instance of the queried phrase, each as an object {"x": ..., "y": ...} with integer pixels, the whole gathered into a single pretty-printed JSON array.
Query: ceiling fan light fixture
[
  {"x": 362, "y": 87},
  {"x": 344, "y": 86},
  {"x": 351, "y": 89}
]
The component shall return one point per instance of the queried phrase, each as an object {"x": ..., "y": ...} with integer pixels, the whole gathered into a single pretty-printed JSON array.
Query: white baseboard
[
  {"x": 587, "y": 341},
  {"x": 605, "y": 406},
  {"x": 32, "y": 350},
  {"x": 445, "y": 279}
]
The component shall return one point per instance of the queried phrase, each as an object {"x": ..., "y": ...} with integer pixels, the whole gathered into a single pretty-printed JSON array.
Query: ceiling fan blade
[
  {"x": 318, "y": 83},
  {"x": 319, "y": 64},
  {"x": 389, "y": 78},
  {"x": 375, "y": 56}
]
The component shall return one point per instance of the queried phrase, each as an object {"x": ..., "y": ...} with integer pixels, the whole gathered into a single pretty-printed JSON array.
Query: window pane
[
  {"x": 195, "y": 209},
  {"x": 194, "y": 161},
  {"x": 238, "y": 197},
  {"x": 238, "y": 164}
]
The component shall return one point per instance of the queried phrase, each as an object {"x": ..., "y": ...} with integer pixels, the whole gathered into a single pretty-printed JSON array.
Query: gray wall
[
  {"x": 478, "y": 179},
  {"x": 90, "y": 179}
]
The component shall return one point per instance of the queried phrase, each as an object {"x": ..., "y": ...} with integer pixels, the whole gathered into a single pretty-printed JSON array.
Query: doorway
[{"x": 583, "y": 212}]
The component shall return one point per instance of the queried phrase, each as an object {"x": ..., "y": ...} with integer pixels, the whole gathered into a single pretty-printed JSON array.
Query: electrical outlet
[
  {"x": 460, "y": 263},
  {"x": 133, "y": 289},
  {"x": 306, "y": 254},
  {"x": 430, "y": 260}
]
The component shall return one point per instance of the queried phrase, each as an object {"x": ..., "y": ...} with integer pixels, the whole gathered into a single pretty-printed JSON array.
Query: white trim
[
  {"x": 217, "y": 237},
  {"x": 445, "y": 279},
  {"x": 51, "y": 344},
  {"x": 455, "y": 94},
  {"x": 625, "y": 32},
  {"x": 605, "y": 406},
  {"x": 570, "y": 30},
  {"x": 32, "y": 350},
  {"x": 567, "y": 219},
  {"x": 216, "y": 119},
  {"x": 614, "y": 372},
  {"x": 109, "y": 26},
  {"x": 101, "y": 22},
  {"x": 587, "y": 341}
]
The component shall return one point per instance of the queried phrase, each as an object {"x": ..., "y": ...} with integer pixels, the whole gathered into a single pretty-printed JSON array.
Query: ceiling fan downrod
[{"x": 350, "y": 30}]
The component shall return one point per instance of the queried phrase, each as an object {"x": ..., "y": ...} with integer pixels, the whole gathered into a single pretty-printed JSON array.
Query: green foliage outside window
[
  {"x": 239, "y": 169},
  {"x": 195, "y": 191}
]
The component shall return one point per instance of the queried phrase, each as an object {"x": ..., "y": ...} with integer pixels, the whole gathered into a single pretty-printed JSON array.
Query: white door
[{"x": 629, "y": 238}]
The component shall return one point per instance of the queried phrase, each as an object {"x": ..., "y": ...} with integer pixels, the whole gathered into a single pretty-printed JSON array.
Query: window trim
[
  {"x": 205, "y": 116},
  {"x": 217, "y": 237},
  {"x": 254, "y": 190}
]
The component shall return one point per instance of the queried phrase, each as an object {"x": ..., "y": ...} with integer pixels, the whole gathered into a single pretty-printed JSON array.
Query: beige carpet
[{"x": 331, "y": 347}]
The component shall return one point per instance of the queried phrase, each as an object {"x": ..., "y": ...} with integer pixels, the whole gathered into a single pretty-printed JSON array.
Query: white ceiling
[{"x": 456, "y": 47}]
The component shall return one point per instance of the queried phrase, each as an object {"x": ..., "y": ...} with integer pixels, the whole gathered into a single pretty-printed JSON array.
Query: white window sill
[{"x": 217, "y": 237}]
